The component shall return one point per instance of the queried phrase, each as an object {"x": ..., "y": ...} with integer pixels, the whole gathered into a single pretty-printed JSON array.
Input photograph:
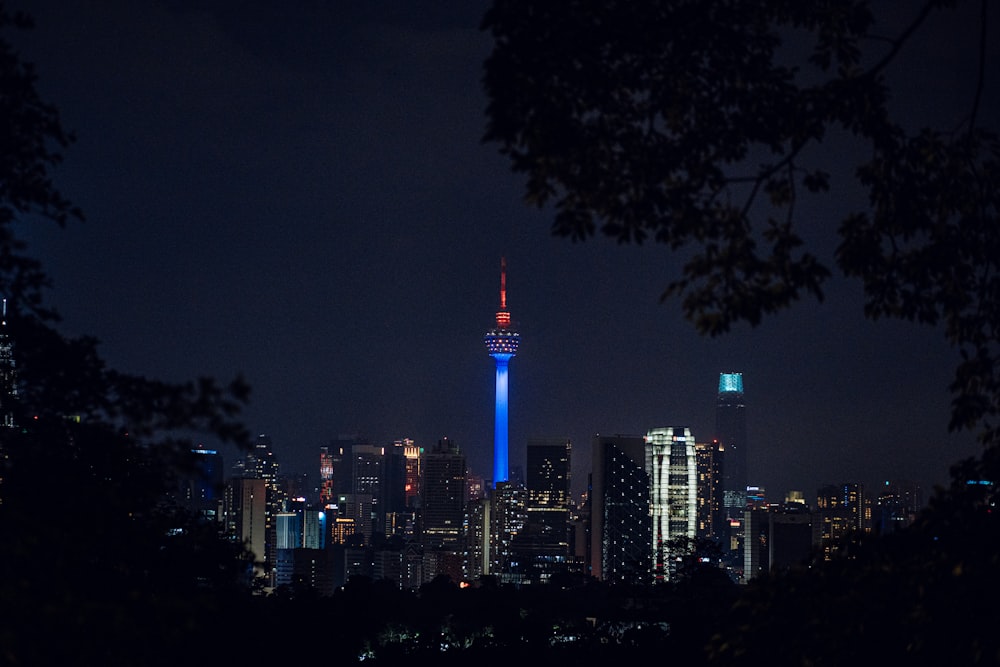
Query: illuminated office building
[
  {"x": 411, "y": 484},
  {"x": 479, "y": 537},
  {"x": 501, "y": 342},
  {"x": 261, "y": 463},
  {"x": 710, "y": 460},
  {"x": 841, "y": 513},
  {"x": 543, "y": 545},
  {"x": 671, "y": 465},
  {"x": 302, "y": 561},
  {"x": 313, "y": 528},
  {"x": 507, "y": 521},
  {"x": 368, "y": 471},
  {"x": 342, "y": 529},
  {"x": 443, "y": 512},
  {"x": 358, "y": 508},
  {"x": 326, "y": 467},
  {"x": 289, "y": 530},
  {"x": 398, "y": 514},
  {"x": 897, "y": 506},
  {"x": 245, "y": 511}
]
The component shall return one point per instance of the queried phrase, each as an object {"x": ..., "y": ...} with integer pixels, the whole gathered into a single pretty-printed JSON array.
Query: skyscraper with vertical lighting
[
  {"x": 671, "y": 465},
  {"x": 501, "y": 343},
  {"x": 731, "y": 432}
]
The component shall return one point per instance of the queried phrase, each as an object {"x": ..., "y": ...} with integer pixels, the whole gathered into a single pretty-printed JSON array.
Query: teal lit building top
[{"x": 730, "y": 382}]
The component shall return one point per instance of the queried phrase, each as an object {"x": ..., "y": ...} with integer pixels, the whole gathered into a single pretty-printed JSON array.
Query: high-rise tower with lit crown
[
  {"x": 501, "y": 342},
  {"x": 731, "y": 431}
]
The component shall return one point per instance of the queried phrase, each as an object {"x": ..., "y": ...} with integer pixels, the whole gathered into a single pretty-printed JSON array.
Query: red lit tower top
[{"x": 503, "y": 339}]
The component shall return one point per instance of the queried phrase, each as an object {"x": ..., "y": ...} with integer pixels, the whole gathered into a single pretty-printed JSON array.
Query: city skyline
[
  {"x": 301, "y": 196},
  {"x": 872, "y": 484}
]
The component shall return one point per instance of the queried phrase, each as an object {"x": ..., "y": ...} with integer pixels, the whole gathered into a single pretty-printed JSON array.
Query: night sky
[{"x": 299, "y": 192}]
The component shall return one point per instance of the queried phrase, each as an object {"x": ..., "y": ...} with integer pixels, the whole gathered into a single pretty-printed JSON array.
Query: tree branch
[{"x": 898, "y": 43}]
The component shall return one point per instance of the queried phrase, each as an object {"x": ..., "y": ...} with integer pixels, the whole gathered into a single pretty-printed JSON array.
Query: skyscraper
[
  {"x": 549, "y": 484},
  {"x": 397, "y": 517},
  {"x": 620, "y": 534},
  {"x": 326, "y": 467},
  {"x": 541, "y": 548},
  {"x": 261, "y": 463},
  {"x": 841, "y": 511},
  {"x": 368, "y": 463},
  {"x": 245, "y": 510},
  {"x": 711, "y": 517},
  {"x": 673, "y": 493},
  {"x": 898, "y": 504},
  {"x": 443, "y": 499},
  {"x": 412, "y": 474},
  {"x": 289, "y": 530},
  {"x": 507, "y": 522},
  {"x": 313, "y": 528},
  {"x": 501, "y": 342},
  {"x": 731, "y": 432}
]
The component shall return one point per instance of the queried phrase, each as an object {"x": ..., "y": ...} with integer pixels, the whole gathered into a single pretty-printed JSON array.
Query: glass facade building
[{"x": 621, "y": 531}]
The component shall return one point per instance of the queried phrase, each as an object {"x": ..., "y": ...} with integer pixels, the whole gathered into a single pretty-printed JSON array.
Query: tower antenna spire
[
  {"x": 503, "y": 317},
  {"x": 503, "y": 283}
]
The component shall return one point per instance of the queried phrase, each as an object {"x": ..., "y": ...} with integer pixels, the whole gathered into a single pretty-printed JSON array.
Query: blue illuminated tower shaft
[
  {"x": 501, "y": 468},
  {"x": 501, "y": 343}
]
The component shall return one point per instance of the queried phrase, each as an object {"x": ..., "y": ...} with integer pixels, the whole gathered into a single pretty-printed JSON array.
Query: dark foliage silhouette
[
  {"x": 704, "y": 126},
  {"x": 99, "y": 566}
]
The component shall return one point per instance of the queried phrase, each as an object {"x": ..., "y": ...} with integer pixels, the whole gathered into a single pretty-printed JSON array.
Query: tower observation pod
[{"x": 501, "y": 343}]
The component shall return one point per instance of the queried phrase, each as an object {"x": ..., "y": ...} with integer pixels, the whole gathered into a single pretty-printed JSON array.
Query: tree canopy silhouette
[
  {"x": 700, "y": 125},
  {"x": 92, "y": 545},
  {"x": 919, "y": 596}
]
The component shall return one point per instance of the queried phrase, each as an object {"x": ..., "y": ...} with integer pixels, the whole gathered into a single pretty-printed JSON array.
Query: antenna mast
[
  {"x": 503, "y": 317},
  {"x": 503, "y": 284}
]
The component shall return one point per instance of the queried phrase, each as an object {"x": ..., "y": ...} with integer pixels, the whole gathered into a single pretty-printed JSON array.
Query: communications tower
[{"x": 501, "y": 342}]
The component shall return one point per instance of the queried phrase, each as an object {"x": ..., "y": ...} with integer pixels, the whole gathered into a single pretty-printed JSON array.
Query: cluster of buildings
[
  {"x": 398, "y": 511},
  {"x": 409, "y": 513}
]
